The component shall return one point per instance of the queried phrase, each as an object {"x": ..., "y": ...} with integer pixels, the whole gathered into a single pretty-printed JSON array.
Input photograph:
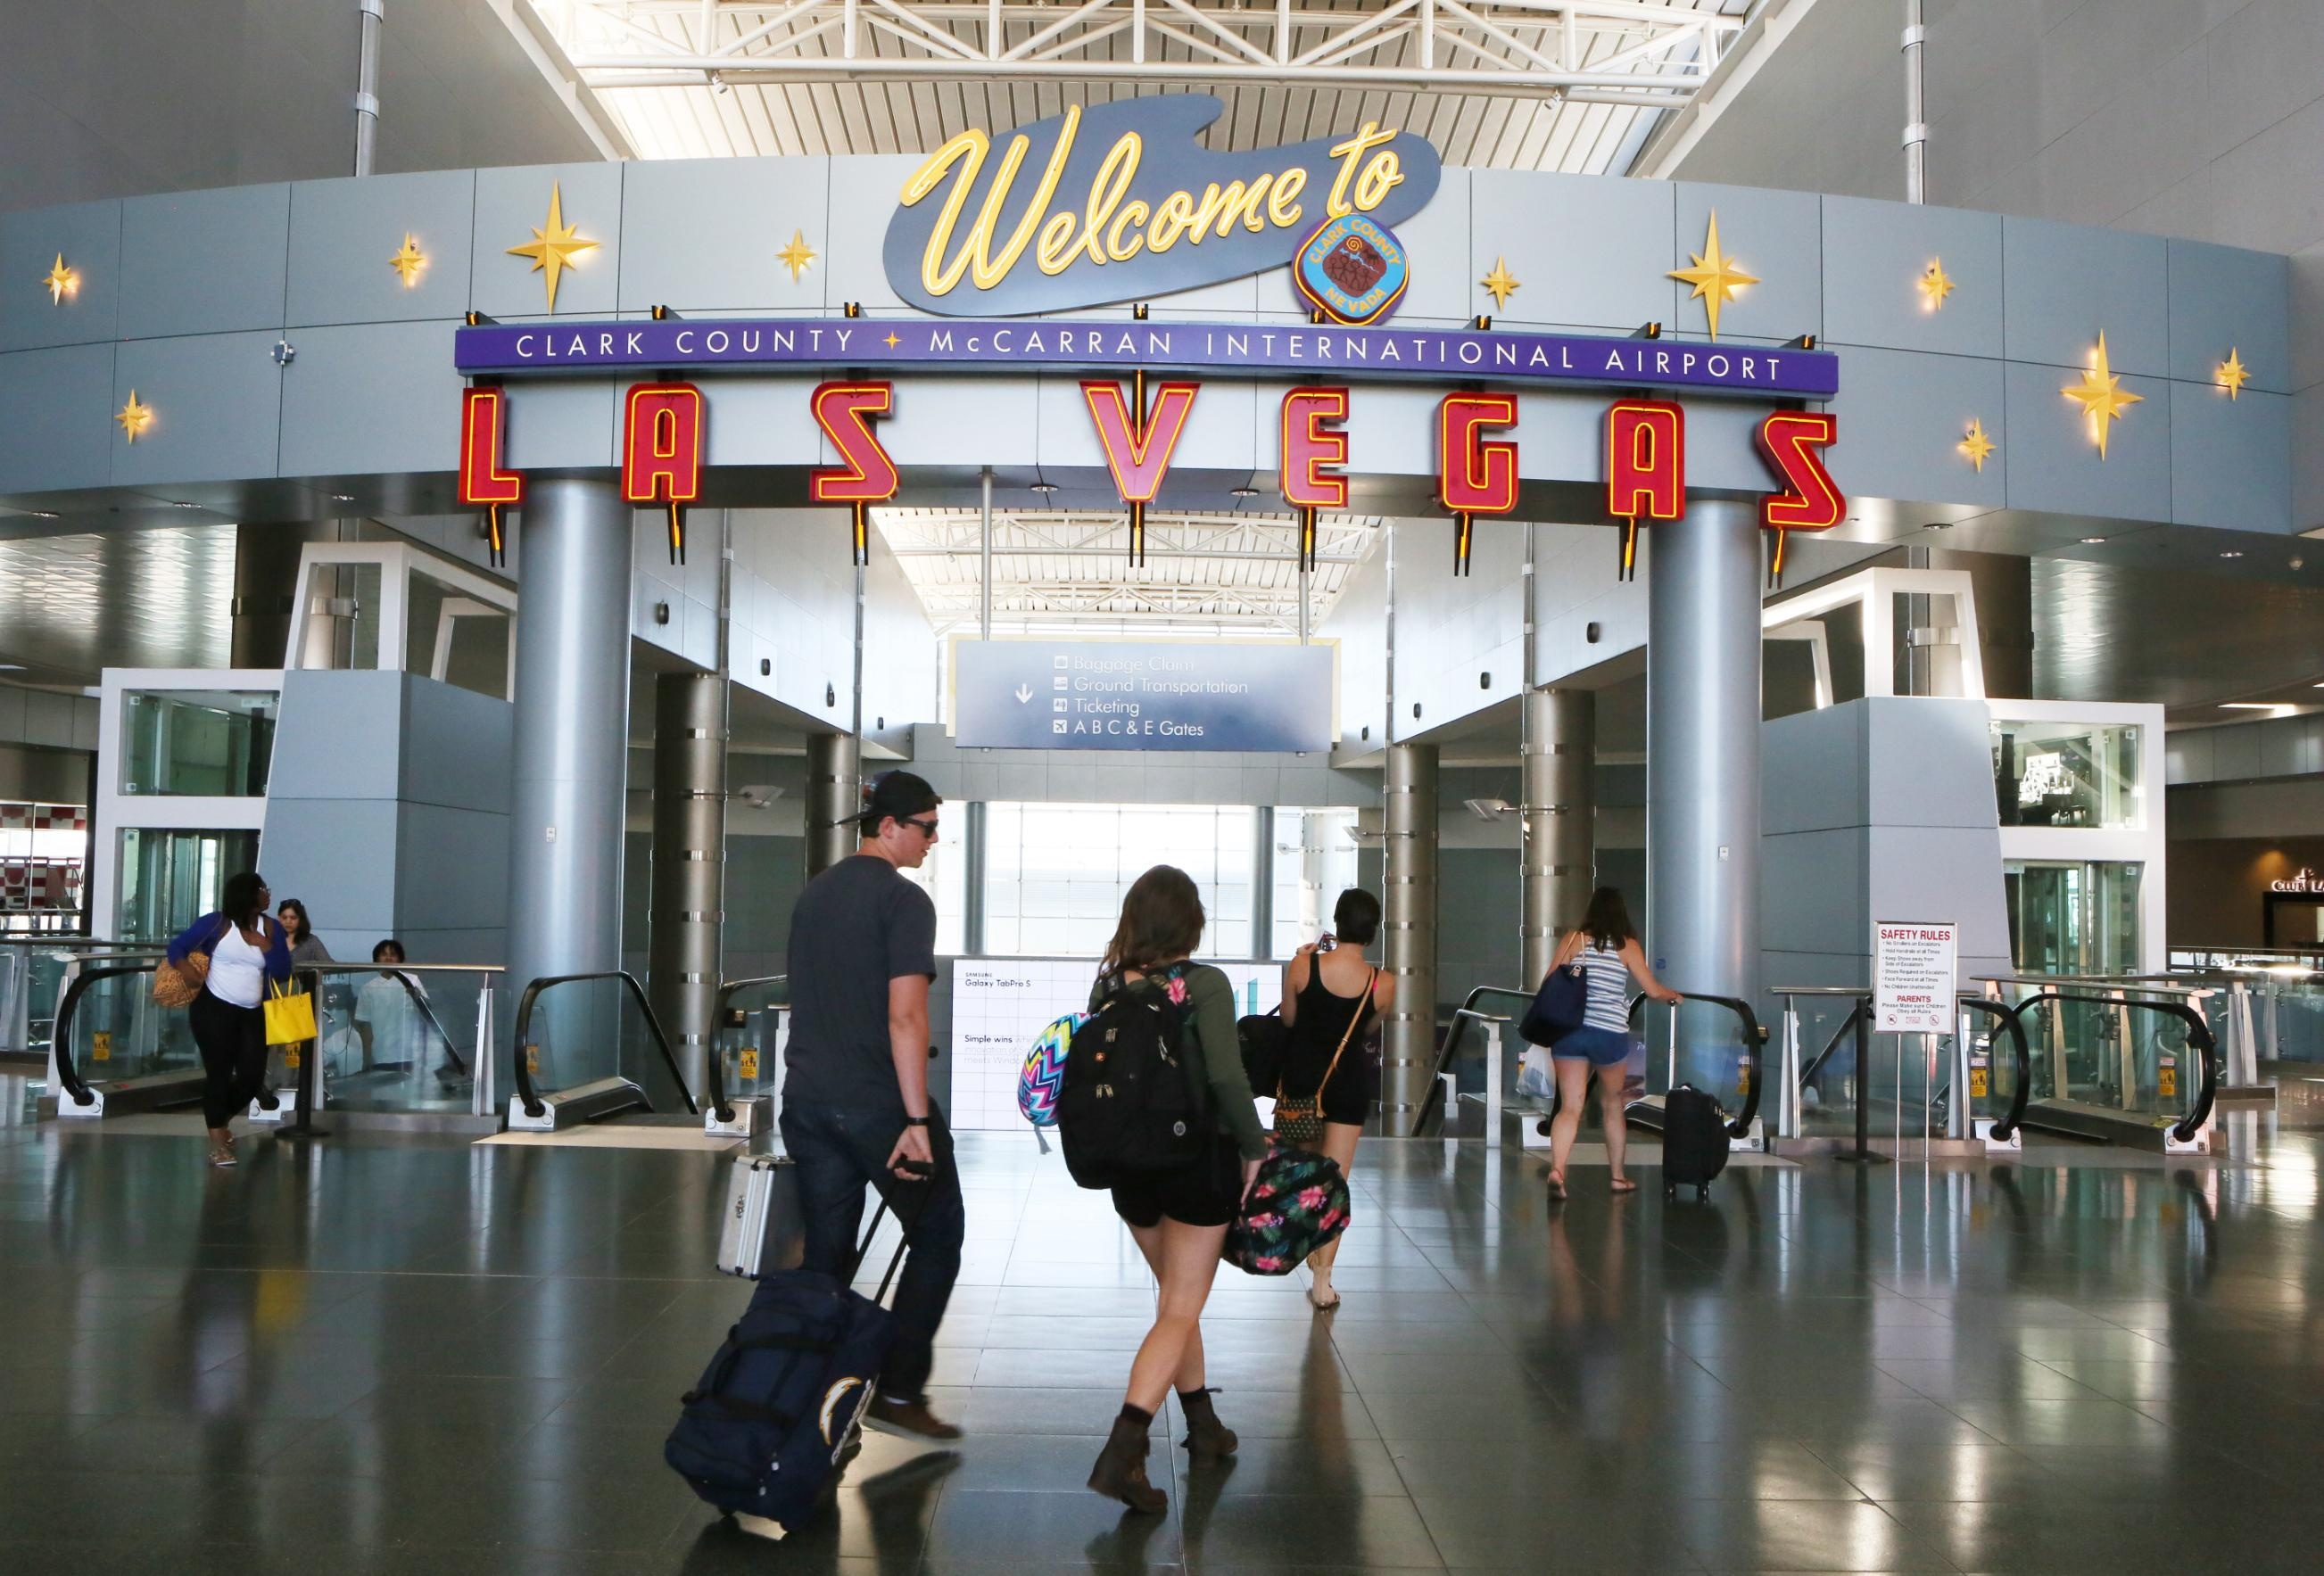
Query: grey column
[
  {"x": 1560, "y": 819},
  {"x": 832, "y": 796},
  {"x": 1702, "y": 757},
  {"x": 1408, "y": 1044},
  {"x": 265, "y": 594},
  {"x": 571, "y": 734},
  {"x": 689, "y": 862}
]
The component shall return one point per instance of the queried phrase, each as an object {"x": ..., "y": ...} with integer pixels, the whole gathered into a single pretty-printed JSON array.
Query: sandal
[
  {"x": 1557, "y": 1187},
  {"x": 1624, "y": 1185},
  {"x": 221, "y": 1156},
  {"x": 1319, "y": 1305}
]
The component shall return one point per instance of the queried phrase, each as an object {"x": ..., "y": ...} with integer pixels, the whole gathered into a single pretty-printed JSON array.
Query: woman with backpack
[
  {"x": 1179, "y": 1218},
  {"x": 240, "y": 949},
  {"x": 1330, "y": 994},
  {"x": 1606, "y": 948}
]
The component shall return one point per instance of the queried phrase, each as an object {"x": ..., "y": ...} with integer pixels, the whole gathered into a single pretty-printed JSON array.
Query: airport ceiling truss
[
  {"x": 1053, "y": 568},
  {"x": 1524, "y": 84}
]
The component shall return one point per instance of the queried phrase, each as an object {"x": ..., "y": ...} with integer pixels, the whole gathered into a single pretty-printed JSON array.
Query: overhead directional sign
[{"x": 1084, "y": 695}]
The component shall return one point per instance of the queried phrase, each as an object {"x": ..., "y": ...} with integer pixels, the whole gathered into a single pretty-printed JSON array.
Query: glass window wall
[
  {"x": 2067, "y": 774},
  {"x": 1055, "y": 874},
  {"x": 218, "y": 744},
  {"x": 2067, "y": 918}
]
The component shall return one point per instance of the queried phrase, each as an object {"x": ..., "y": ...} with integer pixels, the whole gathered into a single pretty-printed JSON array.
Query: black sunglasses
[{"x": 926, "y": 829}]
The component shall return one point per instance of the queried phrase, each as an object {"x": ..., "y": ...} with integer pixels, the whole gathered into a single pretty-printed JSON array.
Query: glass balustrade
[
  {"x": 398, "y": 1039},
  {"x": 577, "y": 1031}
]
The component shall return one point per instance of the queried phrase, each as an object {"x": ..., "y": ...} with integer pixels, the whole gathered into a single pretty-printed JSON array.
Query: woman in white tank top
[
  {"x": 1605, "y": 948},
  {"x": 244, "y": 949}
]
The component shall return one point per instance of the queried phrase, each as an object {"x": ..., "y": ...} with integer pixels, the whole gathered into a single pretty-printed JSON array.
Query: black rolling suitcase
[{"x": 1694, "y": 1142}]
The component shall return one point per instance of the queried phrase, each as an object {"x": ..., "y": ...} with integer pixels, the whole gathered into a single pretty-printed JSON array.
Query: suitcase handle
[{"x": 923, "y": 1171}]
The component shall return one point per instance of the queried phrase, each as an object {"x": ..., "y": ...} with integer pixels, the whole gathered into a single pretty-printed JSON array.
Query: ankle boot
[
  {"x": 1121, "y": 1470},
  {"x": 1207, "y": 1438}
]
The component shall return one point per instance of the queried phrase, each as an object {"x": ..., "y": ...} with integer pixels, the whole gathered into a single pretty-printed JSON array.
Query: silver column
[
  {"x": 1408, "y": 1046},
  {"x": 1702, "y": 757},
  {"x": 832, "y": 796},
  {"x": 689, "y": 862},
  {"x": 1560, "y": 819},
  {"x": 572, "y": 722}
]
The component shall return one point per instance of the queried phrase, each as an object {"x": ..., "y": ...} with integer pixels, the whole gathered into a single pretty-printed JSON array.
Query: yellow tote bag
[{"x": 289, "y": 1015}]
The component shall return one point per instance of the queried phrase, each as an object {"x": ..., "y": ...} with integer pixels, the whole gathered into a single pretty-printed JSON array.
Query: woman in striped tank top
[{"x": 1605, "y": 947}]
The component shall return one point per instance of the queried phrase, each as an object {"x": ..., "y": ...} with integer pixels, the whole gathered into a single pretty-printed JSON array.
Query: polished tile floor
[{"x": 432, "y": 1357}]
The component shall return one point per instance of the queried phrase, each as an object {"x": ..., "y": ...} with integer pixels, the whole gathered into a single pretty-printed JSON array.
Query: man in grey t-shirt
[{"x": 856, "y": 1084}]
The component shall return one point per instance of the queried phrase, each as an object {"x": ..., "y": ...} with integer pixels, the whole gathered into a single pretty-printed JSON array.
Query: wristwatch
[{"x": 915, "y": 1121}]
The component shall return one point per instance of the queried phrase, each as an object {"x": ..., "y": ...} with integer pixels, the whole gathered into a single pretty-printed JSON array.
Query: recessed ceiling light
[
  {"x": 1242, "y": 492},
  {"x": 2093, "y": 542},
  {"x": 2231, "y": 553},
  {"x": 342, "y": 497},
  {"x": 1045, "y": 487},
  {"x": 1938, "y": 525},
  {"x": 2252, "y": 705},
  {"x": 181, "y": 503}
]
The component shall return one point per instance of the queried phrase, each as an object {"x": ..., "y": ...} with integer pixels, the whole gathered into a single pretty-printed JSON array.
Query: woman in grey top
[{"x": 1179, "y": 1218}]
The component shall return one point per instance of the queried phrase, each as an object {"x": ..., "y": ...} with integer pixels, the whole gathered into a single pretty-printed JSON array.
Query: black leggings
[{"x": 233, "y": 1054}]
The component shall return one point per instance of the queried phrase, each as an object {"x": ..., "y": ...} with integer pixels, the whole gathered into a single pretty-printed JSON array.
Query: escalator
[
  {"x": 1836, "y": 1093},
  {"x": 2134, "y": 1066},
  {"x": 588, "y": 1050},
  {"x": 113, "y": 1051}
]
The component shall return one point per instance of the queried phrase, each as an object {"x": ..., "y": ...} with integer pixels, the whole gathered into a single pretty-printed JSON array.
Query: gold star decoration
[
  {"x": 555, "y": 245},
  {"x": 1714, "y": 276},
  {"x": 61, "y": 281},
  {"x": 796, "y": 255},
  {"x": 408, "y": 260},
  {"x": 2232, "y": 373},
  {"x": 1975, "y": 446},
  {"x": 893, "y": 340},
  {"x": 1501, "y": 283},
  {"x": 2101, "y": 396},
  {"x": 135, "y": 418},
  {"x": 1935, "y": 285}
]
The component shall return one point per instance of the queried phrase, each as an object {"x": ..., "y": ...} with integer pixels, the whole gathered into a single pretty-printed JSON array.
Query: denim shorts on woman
[{"x": 1601, "y": 1047}]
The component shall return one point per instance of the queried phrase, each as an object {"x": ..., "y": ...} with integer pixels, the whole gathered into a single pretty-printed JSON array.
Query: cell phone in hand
[{"x": 1327, "y": 942}]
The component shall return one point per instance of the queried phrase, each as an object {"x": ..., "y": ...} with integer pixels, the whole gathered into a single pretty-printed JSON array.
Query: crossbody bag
[{"x": 1299, "y": 1123}]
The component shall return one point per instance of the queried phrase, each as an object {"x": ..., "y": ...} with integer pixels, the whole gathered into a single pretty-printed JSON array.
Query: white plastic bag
[{"x": 1534, "y": 1079}]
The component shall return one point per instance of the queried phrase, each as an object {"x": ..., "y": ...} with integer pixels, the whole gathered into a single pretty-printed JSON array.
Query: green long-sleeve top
[{"x": 1209, "y": 1012}]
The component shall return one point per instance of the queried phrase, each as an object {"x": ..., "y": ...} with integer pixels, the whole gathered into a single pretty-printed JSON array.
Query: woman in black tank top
[{"x": 1333, "y": 998}]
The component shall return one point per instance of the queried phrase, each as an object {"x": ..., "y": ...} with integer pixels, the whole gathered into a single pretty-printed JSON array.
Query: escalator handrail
[
  {"x": 1861, "y": 1004},
  {"x": 712, "y": 1062},
  {"x": 1464, "y": 1013},
  {"x": 2007, "y": 1124},
  {"x": 60, "y": 1037},
  {"x": 2199, "y": 1039},
  {"x": 1755, "y": 1039},
  {"x": 533, "y": 1104}
]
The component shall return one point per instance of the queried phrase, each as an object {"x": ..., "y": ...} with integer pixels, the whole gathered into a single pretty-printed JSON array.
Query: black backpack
[{"x": 1132, "y": 1102}]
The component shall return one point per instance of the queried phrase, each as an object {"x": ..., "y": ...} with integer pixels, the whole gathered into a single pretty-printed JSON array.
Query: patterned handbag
[
  {"x": 177, "y": 984},
  {"x": 1299, "y": 1123},
  {"x": 1298, "y": 1202}
]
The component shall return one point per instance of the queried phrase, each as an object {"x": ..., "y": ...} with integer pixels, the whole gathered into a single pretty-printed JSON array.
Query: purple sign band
[{"x": 1302, "y": 350}]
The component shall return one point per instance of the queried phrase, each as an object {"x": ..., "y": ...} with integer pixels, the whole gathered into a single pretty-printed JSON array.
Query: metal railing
[{"x": 535, "y": 1106}]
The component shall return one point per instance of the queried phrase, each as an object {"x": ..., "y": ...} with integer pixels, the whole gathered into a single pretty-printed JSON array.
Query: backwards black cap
[{"x": 900, "y": 794}]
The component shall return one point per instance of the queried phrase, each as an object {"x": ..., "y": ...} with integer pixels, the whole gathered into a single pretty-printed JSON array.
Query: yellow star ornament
[
  {"x": 1976, "y": 446},
  {"x": 1501, "y": 283},
  {"x": 2232, "y": 373},
  {"x": 61, "y": 281},
  {"x": 2101, "y": 396},
  {"x": 135, "y": 418},
  {"x": 555, "y": 245},
  {"x": 1714, "y": 276},
  {"x": 409, "y": 261},
  {"x": 796, "y": 255},
  {"x": 1935, "y": 285}
]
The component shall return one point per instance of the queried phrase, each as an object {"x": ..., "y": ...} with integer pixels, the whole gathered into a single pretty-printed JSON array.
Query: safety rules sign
[{"x": 1912, "y": 969}]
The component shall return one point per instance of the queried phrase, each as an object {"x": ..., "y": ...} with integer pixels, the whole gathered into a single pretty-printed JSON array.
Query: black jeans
[
  {"x": 838, "y": 1149},
  {"x": 232, "y": 1040}
]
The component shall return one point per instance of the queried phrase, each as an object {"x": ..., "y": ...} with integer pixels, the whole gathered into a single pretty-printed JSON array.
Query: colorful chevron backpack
[{"x": 1045, "y": 1073}]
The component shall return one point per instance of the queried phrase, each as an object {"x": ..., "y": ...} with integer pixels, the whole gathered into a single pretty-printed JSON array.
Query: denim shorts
[{"x": 1601, "y": 1047}]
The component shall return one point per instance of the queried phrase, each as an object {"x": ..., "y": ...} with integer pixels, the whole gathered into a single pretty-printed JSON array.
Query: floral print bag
[{"x": 1298, "y": 1203}]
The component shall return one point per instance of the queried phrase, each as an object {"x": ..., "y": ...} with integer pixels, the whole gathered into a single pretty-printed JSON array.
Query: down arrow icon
[{"x": 1024, "y": 693}]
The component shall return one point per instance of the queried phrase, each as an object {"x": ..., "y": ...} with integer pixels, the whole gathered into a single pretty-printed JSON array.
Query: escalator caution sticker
[
  {"x": 2166, "y": 1080},
  {"x": 532, "y": 1060},
  {"x": 1976, "y": 1083},
  {"x": 100, "y": 1046},
  {"x": 747, "y": 1062}
]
